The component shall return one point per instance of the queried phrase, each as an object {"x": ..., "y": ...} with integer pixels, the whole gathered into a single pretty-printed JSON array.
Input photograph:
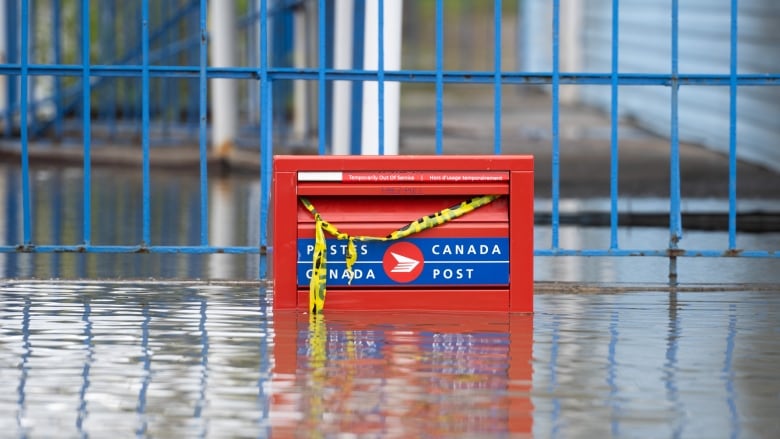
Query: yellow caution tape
[{"x": 319, "y": 272}]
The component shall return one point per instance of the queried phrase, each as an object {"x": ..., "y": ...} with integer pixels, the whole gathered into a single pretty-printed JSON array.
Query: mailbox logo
[{"x": 403, "y": 262}]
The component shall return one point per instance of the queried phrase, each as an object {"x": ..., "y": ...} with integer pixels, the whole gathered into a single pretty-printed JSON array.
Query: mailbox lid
[{"x": 295, "y": 163}]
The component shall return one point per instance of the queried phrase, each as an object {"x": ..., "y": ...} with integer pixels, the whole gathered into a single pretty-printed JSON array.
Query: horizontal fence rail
[{"x": 81, "y": 83}]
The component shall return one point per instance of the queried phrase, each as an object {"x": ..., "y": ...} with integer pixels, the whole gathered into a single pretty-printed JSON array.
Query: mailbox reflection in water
[
  {"x": 480, "y": 261},
  {"x": 362, "y": 372}
]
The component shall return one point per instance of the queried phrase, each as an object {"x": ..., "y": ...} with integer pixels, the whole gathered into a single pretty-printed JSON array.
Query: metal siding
[{"x": 644, "y": 46}]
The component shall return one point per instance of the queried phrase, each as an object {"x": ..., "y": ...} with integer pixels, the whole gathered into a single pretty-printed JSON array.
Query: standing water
[{"x": 198, "y": 360}]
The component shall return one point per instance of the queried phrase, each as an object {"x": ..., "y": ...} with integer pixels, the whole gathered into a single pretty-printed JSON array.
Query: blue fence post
[
  {"x": 497, "y": 103},
  {"x": 675, "y": 219},
  {"x": 86, "y": 121},
  {"x": 380, "y": 74},
  {"x": 145, "y": 96},
  {"x": 439, "y": 76},
  {"x": 266, "y": 133},
  {"x": 556, "y": 139},
  {"x": 23, "y": 94},
  {"x": 202, "y": 121},
  {"x": 614, "y": 119},
  {"x": 321, "y": 84},
  {"x": 733, "y": 66}
]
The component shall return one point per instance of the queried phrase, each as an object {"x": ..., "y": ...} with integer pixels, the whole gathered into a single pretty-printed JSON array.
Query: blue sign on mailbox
[{"x": 413, "y": 261}]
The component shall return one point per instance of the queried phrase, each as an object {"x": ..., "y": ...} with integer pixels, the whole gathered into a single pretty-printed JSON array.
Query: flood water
[{"x": 196, "y": 360}]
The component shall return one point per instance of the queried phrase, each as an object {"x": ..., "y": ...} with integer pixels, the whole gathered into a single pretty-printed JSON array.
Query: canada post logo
[
  {"x": 403, "y": 262},
  {"x": 447, "y": 261}
]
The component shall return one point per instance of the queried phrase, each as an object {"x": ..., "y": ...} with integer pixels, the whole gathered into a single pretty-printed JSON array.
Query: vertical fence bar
[
  {"x": 322, "y": 90},
  {"x": 266, "y": 116},
  {"x": 23, "y": 132},
  {"x": 497, "y": 77},
  {"x": 86, "y": 104},
  {"x": 675, "y": 220},
  {"x": 614, "y": 153},
  {"x": 380, "y": 75},
  {"x": 439, "y": 76},
  {"x": 556, "y": 185},
  {"x": 733, "y": 129},
  {"x": 202, "y": 120},
  {"x": 145, "y": 118}
]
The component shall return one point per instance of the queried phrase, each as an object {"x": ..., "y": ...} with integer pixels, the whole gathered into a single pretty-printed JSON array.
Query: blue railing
[{"x": 265, "y": 74}]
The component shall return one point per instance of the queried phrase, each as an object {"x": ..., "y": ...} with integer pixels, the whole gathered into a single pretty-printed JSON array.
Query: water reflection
[
  {"x": 170, "y": 360},
  {"x": 116, "y": 219},
  {"x": 404, "y": 374},
  {"x": 657, "y": 365}
]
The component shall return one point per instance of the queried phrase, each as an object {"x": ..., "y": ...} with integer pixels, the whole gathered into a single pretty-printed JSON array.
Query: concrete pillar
[
  {"x": 224, "y": 92},
  {"x": 342, "y": 90},
  {"x": 536, "y": 40},
  {"x": 572, "y": 46},
  {"x": 299, "y": 123},
  {"x": 222, "y": 217},
  {"x": 3, "y": 58},
  {"x": 393, "y": 12}
]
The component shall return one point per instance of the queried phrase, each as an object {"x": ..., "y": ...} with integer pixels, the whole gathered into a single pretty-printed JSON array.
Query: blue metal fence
[{"x": 173, "y": 45}]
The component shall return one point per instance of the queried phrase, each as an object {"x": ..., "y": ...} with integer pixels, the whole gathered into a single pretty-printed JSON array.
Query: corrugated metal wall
[{"x": 644, "y": 46}]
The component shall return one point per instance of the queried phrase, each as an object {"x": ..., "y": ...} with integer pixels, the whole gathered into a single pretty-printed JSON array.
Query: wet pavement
[{"x": 526, "y": 128}]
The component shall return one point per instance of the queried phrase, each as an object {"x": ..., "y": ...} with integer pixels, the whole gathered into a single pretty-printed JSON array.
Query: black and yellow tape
[{"x": 317, "y": 284}]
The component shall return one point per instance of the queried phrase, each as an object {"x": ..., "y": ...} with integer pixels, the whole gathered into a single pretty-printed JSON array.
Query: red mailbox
[{"x": 479, "y": 261}]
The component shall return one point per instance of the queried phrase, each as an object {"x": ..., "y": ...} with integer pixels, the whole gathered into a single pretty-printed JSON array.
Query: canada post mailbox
[{"x": 474, "y": 250}]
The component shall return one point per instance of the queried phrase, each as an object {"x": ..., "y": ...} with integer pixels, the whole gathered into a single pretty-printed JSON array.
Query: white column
[
  {"x": 222, "y": 218},
  {"x": 342, "y": 90},
  {"x": 224, "y": 103},
  {"x": 393, "y": 10},
  {"x": 3, "y": 59},
  {"x": 299, "y": 125},
  {"x": 572, "y": 46}
]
